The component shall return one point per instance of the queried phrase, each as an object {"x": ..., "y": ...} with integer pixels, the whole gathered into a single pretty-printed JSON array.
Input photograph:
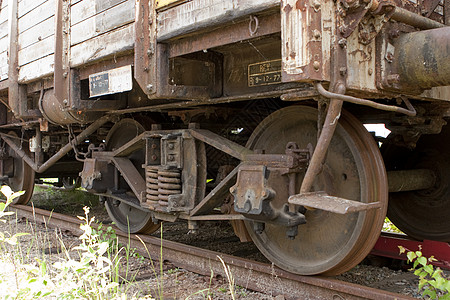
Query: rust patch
[
  {"x": 365, "y": 56},
  {"x": 301, "y": 4},
  {"x": 287, "y": 9}
]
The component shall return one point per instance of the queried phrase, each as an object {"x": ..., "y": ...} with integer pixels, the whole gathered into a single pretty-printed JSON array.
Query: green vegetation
[
  {"x": 92, "y": 274},
  {"x": 69, "y": 201},
  {"x": 388, "y": 226},
  {"x": 432, "y": 283},
  {"x": 10, "y": 196},
  {"x": 95, "y": 268}
]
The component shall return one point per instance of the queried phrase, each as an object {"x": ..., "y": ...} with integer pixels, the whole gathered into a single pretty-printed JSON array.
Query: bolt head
[
  {"x": 316, "y": 34},
  {"x": 316, "y": 65},
  {"x": 342, "y": 43},
  {"x": 316, "y": 5}
]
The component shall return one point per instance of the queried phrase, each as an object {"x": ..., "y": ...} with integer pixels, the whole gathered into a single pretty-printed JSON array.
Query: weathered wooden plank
[
  {"x": 37, "y": 33},
  {"x": 115, "y": 17},
  {"x": 73, "y": 2},
  {"x": 113, "y": 42},
  {"x": 168, "y": 3},
  {"x": 3, "y": 13},
  {"x": 4, "y": 30},
  {"x": 197, "y": 14},
  {"x": 37, "y": 50},
  {"x": 37, "y": 69},
  {"x": 3, "y": 65},
  {"x": 37, "y": 15},
  {"x": 4, "y": 39},
  {"x": 4, "y": 43},
  {"x": 25, "y": 6},
  {"x": 88, "y": 8}
]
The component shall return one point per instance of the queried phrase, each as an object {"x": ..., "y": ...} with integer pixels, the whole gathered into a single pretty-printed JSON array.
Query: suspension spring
[
  {"x": 151, "y": 175},
  {"x": 169, "y": 183}
]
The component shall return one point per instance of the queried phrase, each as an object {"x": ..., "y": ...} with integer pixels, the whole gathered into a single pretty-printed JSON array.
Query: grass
[
  {"x": 96, "y": 266},
  {"x": 63, "y": 201}
]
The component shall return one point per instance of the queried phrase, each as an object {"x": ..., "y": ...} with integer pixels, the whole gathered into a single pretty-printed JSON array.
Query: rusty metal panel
[
  {"x": 306, "y": 27},
  {"x": 62, "y": 50},
  {"x": 145, "y": 48},
  {"x": 361, "y": 64}
]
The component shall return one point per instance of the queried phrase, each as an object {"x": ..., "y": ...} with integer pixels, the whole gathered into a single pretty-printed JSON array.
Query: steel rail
[{"x": 264, "y": 278}]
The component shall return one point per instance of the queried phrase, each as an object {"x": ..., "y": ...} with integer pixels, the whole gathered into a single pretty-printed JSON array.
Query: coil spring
[
  {"x": 161, "y": 184},
  {"x": 169, "y": 183},
  {"x": 151, "y": 176}
]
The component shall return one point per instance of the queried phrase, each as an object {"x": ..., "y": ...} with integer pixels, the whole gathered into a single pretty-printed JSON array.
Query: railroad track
[{"x": 261, "y": 277}]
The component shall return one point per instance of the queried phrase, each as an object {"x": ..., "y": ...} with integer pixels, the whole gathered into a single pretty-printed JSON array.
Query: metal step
[{"x": 321, "y": 200}]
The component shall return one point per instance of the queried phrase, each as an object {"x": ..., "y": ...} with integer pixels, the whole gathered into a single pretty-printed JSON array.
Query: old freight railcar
[{"x": 248, "y": 111}]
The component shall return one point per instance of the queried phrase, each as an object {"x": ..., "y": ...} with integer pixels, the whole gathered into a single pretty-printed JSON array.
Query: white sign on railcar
[{"x": 111, "y": 82}]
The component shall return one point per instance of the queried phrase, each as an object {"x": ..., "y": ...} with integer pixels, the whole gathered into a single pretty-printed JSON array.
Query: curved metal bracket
[{"x": 410, "y": 111}]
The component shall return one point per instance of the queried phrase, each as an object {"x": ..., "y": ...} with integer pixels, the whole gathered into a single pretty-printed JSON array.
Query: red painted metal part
[{"x": 387, "y": 246}]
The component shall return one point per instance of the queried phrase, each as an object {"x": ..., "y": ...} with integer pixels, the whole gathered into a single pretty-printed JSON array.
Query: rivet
[
  {"x": 389, "y": 57},
  {"x": 316, "y": 34},
  {"x": 342, "y": 43},
  {"x": 316, "y": 5},
  {"x": 343, "y": 29},
  {"x": 316, "y": 65}
]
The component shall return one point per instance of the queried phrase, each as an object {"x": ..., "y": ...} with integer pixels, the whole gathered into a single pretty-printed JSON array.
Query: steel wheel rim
[
  {"x": 140, "y": 222},
  {"x": 302, "y": 257},
  {"x": 126, "y": 217},
  {"x": 23, "y": 179}
]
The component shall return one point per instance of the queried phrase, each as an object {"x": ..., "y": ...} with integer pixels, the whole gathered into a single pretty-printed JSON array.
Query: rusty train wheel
[
  {"x": 24, "y": 175},
  {"x": 422, "y": 214},
  {"x": 328, "y": 243},
  {"x": 125, "y": 216}
]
